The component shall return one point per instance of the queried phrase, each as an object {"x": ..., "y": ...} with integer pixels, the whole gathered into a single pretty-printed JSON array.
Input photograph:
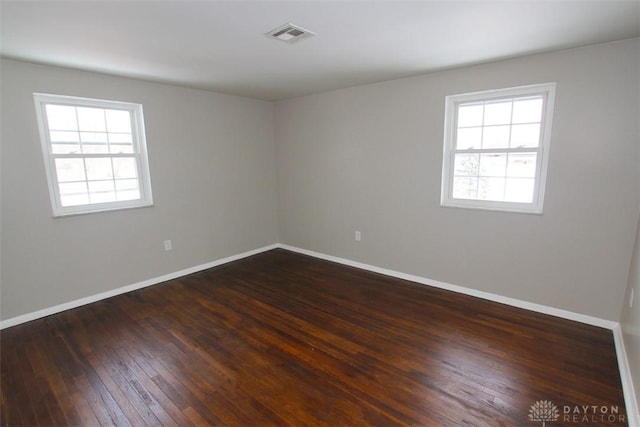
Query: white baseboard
[
  {"x": 608, "y": 324},
  {"x": 630, "y": 396},
  {"x": 104, "y": 295},
  {"x": 633, "y": 417},
  {"x": 565, "y": 314}
]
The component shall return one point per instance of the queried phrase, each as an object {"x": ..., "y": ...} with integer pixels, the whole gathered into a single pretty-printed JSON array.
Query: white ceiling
[{"x": 220, "y": 45}]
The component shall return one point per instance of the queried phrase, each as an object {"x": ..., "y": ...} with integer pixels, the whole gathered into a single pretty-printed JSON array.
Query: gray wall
[
  {"x": 369, "y": 158},
  {"x": 366, "y": 158},
  {"x": 630, "y": 321},
  {"x": 630, "y": 318},
  {"x": 212, "y": 161}
]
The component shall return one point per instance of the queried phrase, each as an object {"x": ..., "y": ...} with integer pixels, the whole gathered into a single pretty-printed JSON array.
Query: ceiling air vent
[{"x": 290, "y": 33}]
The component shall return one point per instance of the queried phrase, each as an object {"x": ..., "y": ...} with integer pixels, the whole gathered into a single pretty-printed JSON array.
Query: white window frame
[
  {"x": 139, "y": 152},
  {"x": 547, "y": 91}
]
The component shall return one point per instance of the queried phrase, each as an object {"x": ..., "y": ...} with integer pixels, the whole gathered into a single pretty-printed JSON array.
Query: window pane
[
  {"x": 95, "y": 148},
  {"x": 522, "y": 165},
  {"x": 98, "y": 169},
  {"x": 125, "y": 168},
  {"x": 102, "y": 191},
  {"x": 73, "y": 193},
  {"x": 101, "y": 186},
  {"x": 120, "y": 137},
  {"x": 61, "y": 117},
  {"x": 497, "y": 113},
  {"x": 465, "y": 188},
  {"x": 491, "y": 189},
  {"x": 91, "y": 119},
  {"x": 128, "y": 195},
  {"x": 495, "y": 137},
  {"x": 118, "y": 121},
  {"x": 121, "y": 148},
  {"x": 528, "y": 110},
  {"x": 65, "y": 148},
  {"x": 466, "y": 165},
  {"x": 70, "y": 170},
  {"x": 93, "y": 137},
  {"x": 525, "y": 135},
  {"x": 102, "y": 197},
  {"x": 470, "y": 115},
  {"x": 493, "y": 165},
  {"x": 468, "y": 138},
  {"x": 519, "y": 190},
  {"x": 57, "y": 136},
  {"x": 74, "y": 199},
  {"x": 126, "y": 184},
  {"x": 73, "y": 188}
]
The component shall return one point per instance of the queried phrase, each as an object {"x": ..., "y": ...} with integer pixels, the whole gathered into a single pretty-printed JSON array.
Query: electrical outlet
[
  {"x": 167, "y": 245},
  {"x": 631, "y": 295},
  {"x": 358, "y": 236}
]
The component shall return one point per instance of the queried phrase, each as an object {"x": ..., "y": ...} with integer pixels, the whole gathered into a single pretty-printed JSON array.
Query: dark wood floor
[{"x": 284, "y": 339}]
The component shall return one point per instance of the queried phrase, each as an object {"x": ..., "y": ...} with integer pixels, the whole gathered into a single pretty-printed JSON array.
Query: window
[
  {"x": 95, "y": 154},
  {"x": 496, "y": 148}
]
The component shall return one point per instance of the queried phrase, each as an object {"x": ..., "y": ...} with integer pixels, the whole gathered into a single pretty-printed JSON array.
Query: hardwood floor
[{"x": 284, "y": 339}]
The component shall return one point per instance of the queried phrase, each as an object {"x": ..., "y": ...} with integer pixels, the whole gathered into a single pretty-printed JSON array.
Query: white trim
[
  {"x": 633, "y": 412},
  {"x": 104, "y": 295},
  {"x": 539, "y": 308}
]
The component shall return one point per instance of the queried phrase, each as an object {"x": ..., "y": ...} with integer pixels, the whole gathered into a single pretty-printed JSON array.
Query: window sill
[
  {"x": 66, "y": 213},
  {"x": 498, "y": 207}
]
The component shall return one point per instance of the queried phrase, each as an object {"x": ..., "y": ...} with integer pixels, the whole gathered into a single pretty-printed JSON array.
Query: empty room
[{"x": 319, "y": 213}]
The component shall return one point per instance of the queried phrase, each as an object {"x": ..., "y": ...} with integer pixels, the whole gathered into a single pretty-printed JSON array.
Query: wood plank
[{"x": 285, "y": 339}]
